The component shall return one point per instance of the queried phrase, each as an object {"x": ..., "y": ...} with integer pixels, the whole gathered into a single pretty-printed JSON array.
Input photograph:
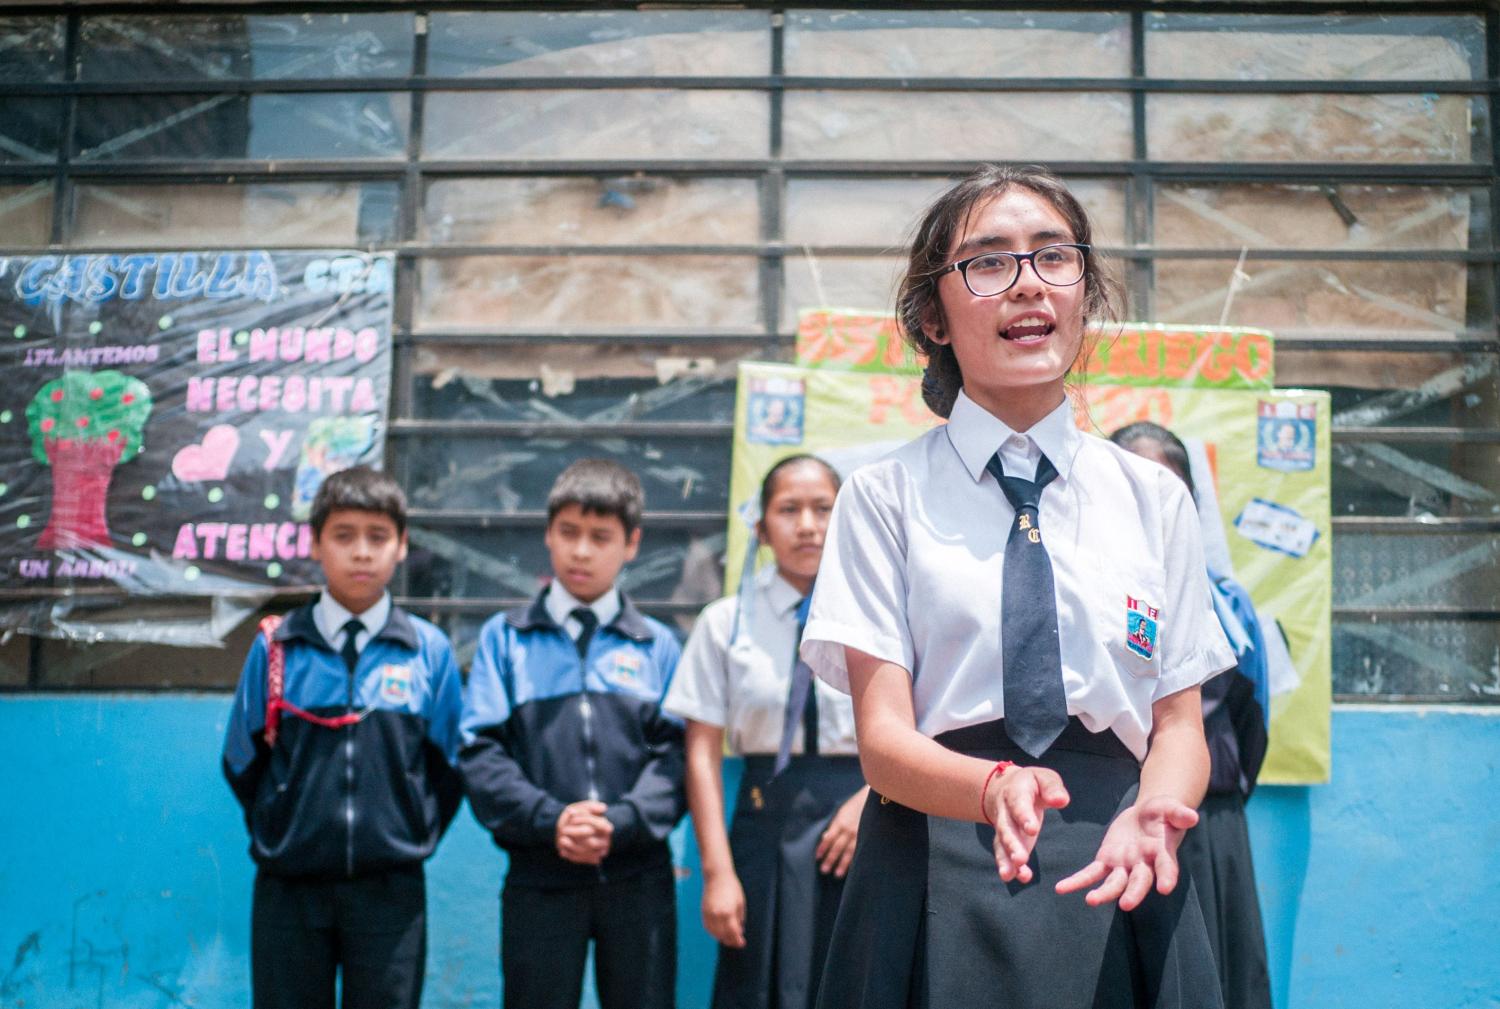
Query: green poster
[{"x": 1267, "y": 452}]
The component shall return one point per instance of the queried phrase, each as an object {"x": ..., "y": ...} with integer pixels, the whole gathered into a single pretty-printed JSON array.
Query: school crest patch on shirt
[
  {"x": 395, "y": 684},
  {"x": 1140, "y": 626},
  {"x": 623, "y": 669}
]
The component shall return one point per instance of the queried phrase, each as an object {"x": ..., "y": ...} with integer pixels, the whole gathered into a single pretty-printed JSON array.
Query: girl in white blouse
[
  {"x": 1024, "y": 653},
  {"x": 771, "y": 885}
]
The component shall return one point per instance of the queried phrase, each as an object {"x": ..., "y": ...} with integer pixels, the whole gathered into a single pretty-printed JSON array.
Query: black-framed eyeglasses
[{"x": 992, "y": 273}]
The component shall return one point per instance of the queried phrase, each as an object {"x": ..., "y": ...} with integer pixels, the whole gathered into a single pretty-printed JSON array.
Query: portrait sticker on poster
[
  {"x": 776, "y": 410},
  {"x": 1286, "y": 435}
]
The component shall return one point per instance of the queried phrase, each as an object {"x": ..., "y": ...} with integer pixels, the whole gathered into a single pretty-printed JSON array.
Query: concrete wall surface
[{"x": 124, "y": 882}]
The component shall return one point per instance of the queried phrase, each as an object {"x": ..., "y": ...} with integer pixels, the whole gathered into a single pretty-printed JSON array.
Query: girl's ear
[{"x": 932, "y": 325}]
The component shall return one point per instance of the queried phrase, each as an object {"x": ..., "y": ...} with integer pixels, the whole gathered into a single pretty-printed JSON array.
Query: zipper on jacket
[
  {"x": 590, "y": 747},
  {"x": 586, "y": 713},
  {"x": 349, "y": 784},
  {"x": 586, "y": 716}
]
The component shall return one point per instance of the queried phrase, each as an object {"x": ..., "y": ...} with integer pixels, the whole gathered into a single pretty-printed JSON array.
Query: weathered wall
[
  {"x": 124, "y": 883},
  {"x": 1381, "y": 888}
]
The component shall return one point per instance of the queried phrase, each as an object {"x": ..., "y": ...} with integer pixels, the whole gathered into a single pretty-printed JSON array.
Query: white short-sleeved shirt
[
  {"x": 742, "y": 685},
  {"x": 913, "y": 564}
]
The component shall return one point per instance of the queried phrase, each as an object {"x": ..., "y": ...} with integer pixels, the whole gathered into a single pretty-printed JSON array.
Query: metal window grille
[{"x": 384, "y": 122}]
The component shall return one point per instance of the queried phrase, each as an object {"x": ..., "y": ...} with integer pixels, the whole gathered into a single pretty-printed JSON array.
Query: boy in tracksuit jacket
[
  {"x": 342, "y": 748},
  {"x": 570, "y": 763}
]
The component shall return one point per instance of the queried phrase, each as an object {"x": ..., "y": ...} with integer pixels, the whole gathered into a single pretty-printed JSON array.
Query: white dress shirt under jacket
[
  {"x": 913, "y": 565},
  {"x": 561, "y": 603},
  {"x": 330, "y": 616}
]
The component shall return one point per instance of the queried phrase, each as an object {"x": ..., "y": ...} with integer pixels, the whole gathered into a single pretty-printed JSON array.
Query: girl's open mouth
[{"x": 1031, "y": 327}]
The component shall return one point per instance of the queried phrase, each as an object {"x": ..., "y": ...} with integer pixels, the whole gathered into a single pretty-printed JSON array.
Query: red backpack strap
[
  {"x": 276, "y": 701},
  {"x": 275, "y": 675}
]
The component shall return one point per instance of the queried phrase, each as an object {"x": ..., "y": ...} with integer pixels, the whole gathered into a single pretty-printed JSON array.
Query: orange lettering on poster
[
  {"x": 1216, "y": 355},
  {"x": 1162, "y": 355},
  {"x": 1133, "y": 356},
  {"x": 1177, "y": 359},
  {"x": 1253, "y": 361},
  {"x": 1151, "y": 345},
  {"x": 815, "y": 337},
  {"x": 1122, "y": 349},
  {"x": 891, "y": 392},
  {"x": 828, "y": 337},
  {"x": 1108, "y": 408},
  {"x": 895, "y": 348}
]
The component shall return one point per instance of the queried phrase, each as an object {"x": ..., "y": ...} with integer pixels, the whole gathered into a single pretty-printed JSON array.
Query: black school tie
[
  {"x": 1036, "y": 709},
  {"x": 801, "y": 702},
  {"x": 589, "y": 623},
  {"x": 350, "y": 651}
]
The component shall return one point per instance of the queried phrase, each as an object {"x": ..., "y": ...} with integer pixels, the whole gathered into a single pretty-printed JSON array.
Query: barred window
[{"x": 597, "y": 213}]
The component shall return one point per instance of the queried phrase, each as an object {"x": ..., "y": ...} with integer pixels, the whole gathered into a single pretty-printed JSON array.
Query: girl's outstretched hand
[
  {"x": 1015, "y": 804},
  {"x": 1140, "y": 847}
]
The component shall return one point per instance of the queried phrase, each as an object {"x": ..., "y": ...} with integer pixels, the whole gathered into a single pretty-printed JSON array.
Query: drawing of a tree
[{"x": 83, "y": 425}]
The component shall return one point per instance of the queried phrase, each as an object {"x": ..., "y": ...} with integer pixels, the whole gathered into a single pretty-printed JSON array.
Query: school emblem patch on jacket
[
  {"x": 623, "y": 669},
  {"x": 1140, "y": 626},
  {"x": 395, "y": 684}
]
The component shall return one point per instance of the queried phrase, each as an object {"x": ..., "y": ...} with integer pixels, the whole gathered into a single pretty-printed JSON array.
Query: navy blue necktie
[
  {"x": 1036, "y": 709},
  {"x": 589, "y": 621},
  {"x": 801, "y": 701},
  {"x": 350, "y": 651}
]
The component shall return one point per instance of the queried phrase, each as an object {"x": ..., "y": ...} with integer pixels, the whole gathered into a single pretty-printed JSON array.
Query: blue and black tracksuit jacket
[
  {"x": 544, "y": 727},
  {"x": 376, "y": 795}
]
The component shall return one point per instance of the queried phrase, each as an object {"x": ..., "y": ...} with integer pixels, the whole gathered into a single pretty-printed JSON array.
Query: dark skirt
[
  {"x": 1217, "y": 852},
  {"x": 927, "y": 923},
  {"x": 790, "y": 905}
]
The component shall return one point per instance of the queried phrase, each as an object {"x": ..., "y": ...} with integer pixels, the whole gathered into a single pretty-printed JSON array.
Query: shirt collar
[
  {"x": 976, "y": 434},
  {"x": 782, "y": 594},
  {"x": 305, "y": 623},
  {"x": 537, "y": 615},
  {"x": 561, "y": 603},
  {"x": 331, "y": 616}
]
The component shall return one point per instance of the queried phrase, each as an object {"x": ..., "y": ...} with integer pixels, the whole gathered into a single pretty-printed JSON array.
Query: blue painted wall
[{"x": 124, "y": 881}]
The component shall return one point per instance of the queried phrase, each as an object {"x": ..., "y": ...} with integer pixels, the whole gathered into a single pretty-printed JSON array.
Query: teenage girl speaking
[{"x": 1020, "y": 613}]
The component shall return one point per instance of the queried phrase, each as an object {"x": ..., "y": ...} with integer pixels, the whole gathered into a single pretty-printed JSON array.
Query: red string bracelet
[{"x": 999, "y": 768}]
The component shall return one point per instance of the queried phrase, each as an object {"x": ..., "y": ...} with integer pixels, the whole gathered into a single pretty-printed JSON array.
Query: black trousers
[
  {"x": 373, "y": 927},
  {"x": 544, "y": 943}
]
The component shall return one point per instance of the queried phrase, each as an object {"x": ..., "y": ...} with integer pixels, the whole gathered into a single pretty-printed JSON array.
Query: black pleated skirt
[
  {"x": 790, "y": 905},
  {"x": 927, "y": 923},
  {"x": 1217, "y": 851}
]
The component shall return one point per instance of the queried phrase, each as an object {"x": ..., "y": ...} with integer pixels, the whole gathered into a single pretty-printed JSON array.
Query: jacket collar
[
  {"x": 299, "y": 624},
  {"x": 534, "y": 617},
  {"x": 631, "y": 623}
]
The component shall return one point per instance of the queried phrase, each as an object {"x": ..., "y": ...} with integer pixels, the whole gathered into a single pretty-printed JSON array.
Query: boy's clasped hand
[{"x": 584, "y": 833}]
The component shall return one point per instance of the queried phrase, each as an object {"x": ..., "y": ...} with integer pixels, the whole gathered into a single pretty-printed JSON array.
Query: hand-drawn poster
[{"x": 167, "y": 417}]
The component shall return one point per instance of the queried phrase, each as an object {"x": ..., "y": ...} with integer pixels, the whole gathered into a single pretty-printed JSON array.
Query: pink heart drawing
[{"x": 209, "y": 460}]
